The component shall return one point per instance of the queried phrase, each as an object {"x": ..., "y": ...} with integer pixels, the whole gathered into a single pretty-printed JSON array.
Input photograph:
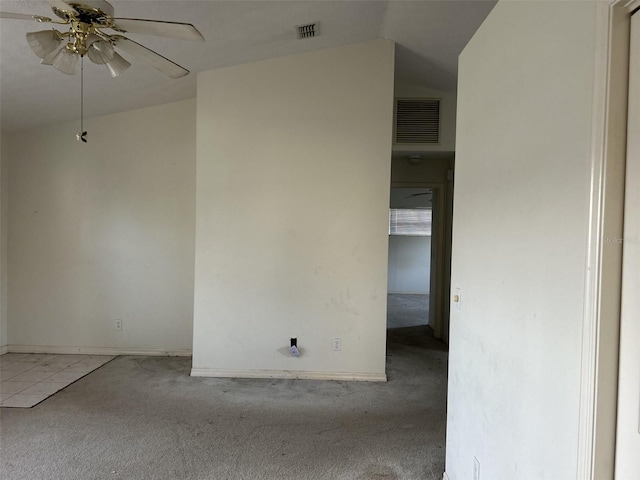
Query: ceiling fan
[{"x": 87, "y": 21}]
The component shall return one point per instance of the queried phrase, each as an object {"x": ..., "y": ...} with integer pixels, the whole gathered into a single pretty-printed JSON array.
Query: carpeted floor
[
  {"x": 407, "y": 310},
  {"x": 146, "y": 418}
]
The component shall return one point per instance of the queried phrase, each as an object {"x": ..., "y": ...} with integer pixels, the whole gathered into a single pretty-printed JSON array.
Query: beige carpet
[{"x": 144, "y": 418}]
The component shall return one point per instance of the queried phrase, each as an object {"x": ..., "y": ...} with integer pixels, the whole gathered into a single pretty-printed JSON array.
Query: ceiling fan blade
[
  {"x": 24, "y": 16},
  {"x": 154, "y": 59},
  {"x": 64, "y": 6},
  {"x": 183, "y": 31}
]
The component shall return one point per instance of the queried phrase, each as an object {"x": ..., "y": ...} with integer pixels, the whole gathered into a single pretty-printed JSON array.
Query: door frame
[
  {"x": 628, "y": 422},
  {"x": 440, "y": 280},
  {"x": 601, "y": 327}
]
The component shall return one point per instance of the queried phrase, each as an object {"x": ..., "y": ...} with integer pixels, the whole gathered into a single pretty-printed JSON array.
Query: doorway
[
  {"x": 424, "y": 188},
  {"x": 414, "y": 354},
  {"x": 410, "y": 253}
]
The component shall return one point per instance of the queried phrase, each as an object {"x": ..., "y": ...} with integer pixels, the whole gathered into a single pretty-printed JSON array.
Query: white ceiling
[{"x": 429, "y": 36}]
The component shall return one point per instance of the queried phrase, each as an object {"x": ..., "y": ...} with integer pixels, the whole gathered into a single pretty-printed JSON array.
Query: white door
[{"x": 628, "y": 430}]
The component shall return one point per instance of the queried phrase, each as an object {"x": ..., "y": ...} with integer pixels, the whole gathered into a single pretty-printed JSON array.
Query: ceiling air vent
[
  {"x": 306, "y": 31},
  {"x": 417, "y": 120}
]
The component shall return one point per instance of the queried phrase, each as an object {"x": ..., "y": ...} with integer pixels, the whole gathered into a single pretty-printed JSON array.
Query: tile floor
[{"x": 27, "y": 379}]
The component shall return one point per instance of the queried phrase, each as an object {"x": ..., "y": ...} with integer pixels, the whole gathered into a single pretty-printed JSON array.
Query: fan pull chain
[{"x": 81, "y": 135}]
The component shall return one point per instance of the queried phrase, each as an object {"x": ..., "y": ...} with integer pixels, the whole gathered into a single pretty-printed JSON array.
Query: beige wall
[
  {"x": 103, "y": 231},
  {"x": 521, "y": 222},
  {"x": 409, "y": 265},
  {"x": 293, "y": 164}
]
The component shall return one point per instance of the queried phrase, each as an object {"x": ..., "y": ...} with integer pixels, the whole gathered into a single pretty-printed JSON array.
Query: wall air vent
[
  {"x": 307, "y": 31},
  {"x": 417, "y": 121}
]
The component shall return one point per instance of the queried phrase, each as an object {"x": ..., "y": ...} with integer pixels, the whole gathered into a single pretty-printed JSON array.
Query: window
[{"x": 410, "y": 221}]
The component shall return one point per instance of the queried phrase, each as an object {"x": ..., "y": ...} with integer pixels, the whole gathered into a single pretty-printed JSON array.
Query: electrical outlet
[
  {"x": 476, "y": 469},
  {"x": 118, "y": 324},
  {"x": 337, "y": 344}
]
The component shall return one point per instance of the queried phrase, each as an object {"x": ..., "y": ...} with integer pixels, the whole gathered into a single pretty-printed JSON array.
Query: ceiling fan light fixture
[
  {"x": 48, "y": 60},
  {"x": 101, "y": 52},
  {"x": 66, "y": 61},
  {"x": 44, "y": 42},
  {"x": 117, "y": 65}
]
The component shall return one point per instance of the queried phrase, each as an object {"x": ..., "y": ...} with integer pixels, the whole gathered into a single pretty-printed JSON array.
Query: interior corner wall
[
  {"x": 521, "y": 219},
  {"x": 293, "y": 162},
  {"x": 103, "y": 231}
]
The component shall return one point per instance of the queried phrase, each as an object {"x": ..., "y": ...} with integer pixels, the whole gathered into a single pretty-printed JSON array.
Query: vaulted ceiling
[{"x": 429, "y": 36}]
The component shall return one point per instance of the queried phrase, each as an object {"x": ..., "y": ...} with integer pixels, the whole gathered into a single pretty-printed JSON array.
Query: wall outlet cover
[{"x": 458, "y": 298}]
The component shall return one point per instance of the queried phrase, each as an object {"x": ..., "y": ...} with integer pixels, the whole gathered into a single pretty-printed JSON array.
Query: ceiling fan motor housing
[
  {"x": 80, "y": 33},
  {"x": 98, "y": 12}
]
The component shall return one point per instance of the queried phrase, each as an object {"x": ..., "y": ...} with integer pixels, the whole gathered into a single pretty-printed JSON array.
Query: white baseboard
[
  {"x": 4, "y": 349},
  {"x": 445, "y": 476},
  {"x": 65, "y": 350},
  {"x": 289, "y": 374}
]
